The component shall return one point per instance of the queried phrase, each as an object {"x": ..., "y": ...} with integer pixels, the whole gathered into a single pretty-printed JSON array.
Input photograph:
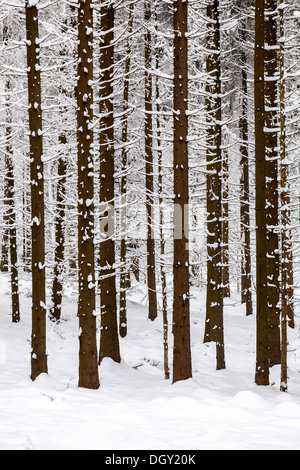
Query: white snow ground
[{"x": 137, "y": 409}]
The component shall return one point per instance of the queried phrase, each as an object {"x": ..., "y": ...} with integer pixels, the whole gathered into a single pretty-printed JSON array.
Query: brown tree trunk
[
  {"x": 272, "y": 185},
  {"x": 287, "y": 310},
  {"x": 5, "y": 231},
  {"x": 262, "y": 354},
  {"x": 5, "y": 239},
  {"x": 69, "y": 19},
  {"x": 109, "y": 342},
  {"x": 59, "y": 222},
  {"x": 182, "y": 363},
  {"x": 214, "y": 330},
  {"x": 10, "y": 203},
  {"x": 134, "y": 247},
  {"x": 124, "y": 274},
  {"x": 161, "y": 218},
  {"x": 246, "y": 284},
  {"x": 287, "y": 288},
  {"x": 225, "y": 225},
  {"x": 38, "y": 338},
  {"x": 26, "y": 222},
  {"x": 151, "y": 269},
  {"x": 88, "y": 364}
]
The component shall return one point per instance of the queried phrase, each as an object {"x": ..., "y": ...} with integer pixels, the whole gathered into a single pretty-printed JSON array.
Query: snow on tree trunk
[
  {"x": 182, "y": 363},
  {"x": 38, "y": 338},
  {"x": 88, "y": 361},
  {"x": 214, "y": 330},
  {"x": 272, "y": 186},
  {"x": 262, "y": 352},
  {"x": 109, "y": 341},
  {"x": 151, "y": 263}
]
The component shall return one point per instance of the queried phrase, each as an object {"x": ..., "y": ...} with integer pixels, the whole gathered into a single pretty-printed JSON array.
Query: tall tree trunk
[
  {"x": 225, "y": 225},
  {"x": 151, "y": 269},
  {"x": 10, "y": 202},
  {"x": 214, "y": 330},
  {"x": 57, "y": 288},
  {"x": 38, "y": 338},
  {"x": 182, "y": 363},
  {"x": 109, "y": 342},
  {"x": 26, "y": 222},
  {"x": 88, "y": 364},
  {"x": 246, "y": 284},
  {"x": 262, "y": 356},
  {"x": 69, "y": 19},
  {"x": 124, "y": 266},
  {"x": 161, "y": 217},
  {"x": 287, "y": 307},
  {"x": 272, "y": 186},
  {"x": 287, "y": 287},
  {"x": 5, "y": 232}
]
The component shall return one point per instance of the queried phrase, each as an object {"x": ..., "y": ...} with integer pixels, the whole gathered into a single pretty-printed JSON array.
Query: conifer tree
[
  {"x": 9, "y": 194},
  {"x": 151, "y": 264},
  {"x": 272, "y": 184},
  {"x": 287, "y": 306},
  {"x": 10, "y": 202},
  {"x": 123, "y": 255},
  {"x": 246, "y": 281},
  {"x": 57, "y": 289},
  {"x": 262, "y": 350},
  {"x": 88, "y": 363},
  {"x": 59, "y": 271},
  {"x": 182, "y": 363},
  {"x": 109, "y": 341},
  {"x": 246, "y": 271},
  {"x": 38, "y": 337},
  {"x": 287, "y": 287},
  {"x": 161, "y": 208},
  {"x": 214, "y": 330},
  {"x": 225, "y": 223}
]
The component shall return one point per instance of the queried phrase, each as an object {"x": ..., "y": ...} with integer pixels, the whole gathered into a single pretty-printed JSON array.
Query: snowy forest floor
[{"x": 135, "y": 408}]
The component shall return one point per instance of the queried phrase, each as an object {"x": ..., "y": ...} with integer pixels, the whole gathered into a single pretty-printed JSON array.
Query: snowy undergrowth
[{"x": 135, "y": 408}]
